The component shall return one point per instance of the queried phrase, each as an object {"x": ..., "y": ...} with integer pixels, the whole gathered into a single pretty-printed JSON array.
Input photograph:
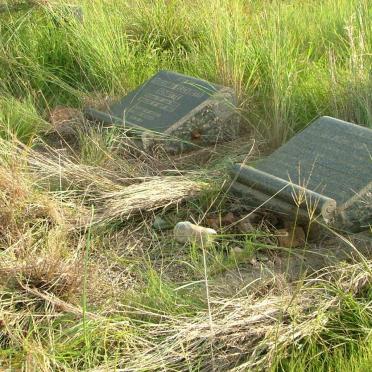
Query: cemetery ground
[{"x": 89, "y": 281}]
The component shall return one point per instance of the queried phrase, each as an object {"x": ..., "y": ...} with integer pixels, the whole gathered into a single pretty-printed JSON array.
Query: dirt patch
[{"x": 293, "y": 264}]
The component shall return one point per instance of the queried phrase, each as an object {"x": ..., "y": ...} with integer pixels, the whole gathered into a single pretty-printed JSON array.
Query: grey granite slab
[
  {"x": 330, "y": 158},
  {"x": 177, "y": 110}
]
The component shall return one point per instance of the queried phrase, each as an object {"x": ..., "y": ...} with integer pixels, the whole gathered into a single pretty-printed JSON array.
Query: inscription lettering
[
  {"x": 163, "y": 101},
  {"x": 157, "y": 98},
  {"x": 140, "y": 112},
  {"x": 169, "y": 94},
  {"x": 194, "y": 92},
  {"x": 157, "y": 104}
]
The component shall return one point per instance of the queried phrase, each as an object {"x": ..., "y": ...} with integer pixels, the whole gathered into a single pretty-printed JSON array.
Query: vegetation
[{"x": 86, "y": 282}]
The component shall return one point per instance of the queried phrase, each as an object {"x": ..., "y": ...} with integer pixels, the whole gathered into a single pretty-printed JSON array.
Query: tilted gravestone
[
  {"x": 175, "y": 110},
  {"x": 324, "y": 171}
]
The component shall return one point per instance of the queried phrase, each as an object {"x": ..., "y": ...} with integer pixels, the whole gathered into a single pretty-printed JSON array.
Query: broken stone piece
[
  {"x": 186, "y": 232},
  {"x": 63, "y": 114},
  {"x": 216, "y": 221},
  {"x": 213, "y": 222},
  {"x": 247, "y": 224},
  {"x": 175, "y": 111}
]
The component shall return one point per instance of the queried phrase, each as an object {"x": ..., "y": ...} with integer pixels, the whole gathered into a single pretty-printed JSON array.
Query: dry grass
[
  {"x": 56, "y": 262},
  {"x": 112, "y": 194},
  {"x": 249, "y": 332}
]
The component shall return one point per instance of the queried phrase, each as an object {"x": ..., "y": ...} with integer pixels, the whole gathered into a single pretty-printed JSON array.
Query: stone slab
[
  {"x": 331, "y": 158},
  {"x": 176, "y": 106}
]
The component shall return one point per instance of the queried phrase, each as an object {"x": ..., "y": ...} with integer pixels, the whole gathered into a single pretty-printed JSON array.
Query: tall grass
[{"x": 288, "y": 61}]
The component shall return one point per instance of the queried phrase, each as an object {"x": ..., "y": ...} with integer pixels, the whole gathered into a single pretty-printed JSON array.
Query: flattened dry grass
[
  {"x": 73, "y": 298},
  {"x": 250, "y": 332}
]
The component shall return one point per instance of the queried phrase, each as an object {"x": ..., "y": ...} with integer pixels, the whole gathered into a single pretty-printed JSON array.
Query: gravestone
[
  {"x": 324, "y": 171},
  {"x": 177, "y": 111}
]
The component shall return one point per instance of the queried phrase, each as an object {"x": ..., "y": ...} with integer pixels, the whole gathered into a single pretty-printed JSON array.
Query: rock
[
  {"x": 186, "y": 232},
  {"x": 62, "y": 114},
  {"x": 291, "y": 237},
  {"x": 213, "y": 222},
  {"x": 245, "y": 227},
  {"x": 228, "y": 219},
  {"x": 253, "y": 217},
  {"x": 66, "y": 123},
  {"x": 161, "y": 224},
  {"x": 316, "y": 232},
  {"x": 261, "y": 257},
  {"x": 237, "y": 250},
  {"x": 273, "y": 219}
]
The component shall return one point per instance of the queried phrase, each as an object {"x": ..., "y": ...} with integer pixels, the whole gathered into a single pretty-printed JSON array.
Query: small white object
[
  {"x": 237, "y": 250},
  {"x": 185, "y": 232}
]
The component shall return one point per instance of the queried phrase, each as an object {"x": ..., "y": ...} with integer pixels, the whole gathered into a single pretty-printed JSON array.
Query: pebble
[
  {"x": 228, "y": 219},
  {"x": 245, "y": 227},
  {"x": 261, "y": 257},
  {"x": 160, "y": 224},
  {"x": 237, "y": 250},
  {"x": 285, "y": 238},
  {"x": 186, "y": 232}
]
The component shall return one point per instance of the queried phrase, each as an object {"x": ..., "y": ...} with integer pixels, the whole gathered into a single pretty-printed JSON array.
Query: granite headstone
[
  {"x": 175, "y": 110},
  {"x": 325, "y": 170}
]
